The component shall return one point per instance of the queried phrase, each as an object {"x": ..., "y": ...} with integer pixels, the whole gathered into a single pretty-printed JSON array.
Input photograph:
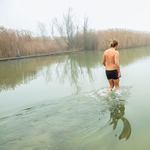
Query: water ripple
[{"x": 60, "y": 123}]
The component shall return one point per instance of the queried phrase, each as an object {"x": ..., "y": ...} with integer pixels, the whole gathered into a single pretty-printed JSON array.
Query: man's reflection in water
[{"x": 117, "y": 113}]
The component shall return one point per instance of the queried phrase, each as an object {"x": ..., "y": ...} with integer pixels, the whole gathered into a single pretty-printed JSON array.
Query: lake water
[{"x": 60, "y": 102}]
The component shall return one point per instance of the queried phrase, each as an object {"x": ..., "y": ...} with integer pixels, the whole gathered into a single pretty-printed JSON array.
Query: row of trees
[{"x": 68, "y": 34}]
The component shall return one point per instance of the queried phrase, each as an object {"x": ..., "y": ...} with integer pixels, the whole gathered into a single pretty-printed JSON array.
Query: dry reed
[{"x": 15, "y": 43}]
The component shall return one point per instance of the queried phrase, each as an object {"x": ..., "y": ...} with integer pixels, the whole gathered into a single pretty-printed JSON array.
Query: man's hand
[{"x": 119, "y": 75}]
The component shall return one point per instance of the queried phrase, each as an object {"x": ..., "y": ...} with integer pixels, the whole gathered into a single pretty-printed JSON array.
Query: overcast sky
[{"x": 103, "y": 14}]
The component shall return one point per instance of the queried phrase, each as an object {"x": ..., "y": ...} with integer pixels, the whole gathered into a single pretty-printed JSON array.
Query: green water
[{"x": 60, "y": 102}]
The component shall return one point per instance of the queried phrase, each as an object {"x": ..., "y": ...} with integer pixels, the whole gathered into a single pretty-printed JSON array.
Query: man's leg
[
  {"x": 116, "y": 83},
  {"x": 111, "y": 82}
]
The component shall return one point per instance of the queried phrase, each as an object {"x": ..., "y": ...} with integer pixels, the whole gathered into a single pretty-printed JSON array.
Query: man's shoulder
[
  {"x": 106, "y": 50},
  {"x": 117, "y": 52}
]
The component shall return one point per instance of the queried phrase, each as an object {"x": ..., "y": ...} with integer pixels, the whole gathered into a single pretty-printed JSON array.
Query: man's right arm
[{"x": 117, "y": 63}]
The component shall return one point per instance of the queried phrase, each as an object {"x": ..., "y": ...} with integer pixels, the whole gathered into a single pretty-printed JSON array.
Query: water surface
[{"x": 60, "y": 102}]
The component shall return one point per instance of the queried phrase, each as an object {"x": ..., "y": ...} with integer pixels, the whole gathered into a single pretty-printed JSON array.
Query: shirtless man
[{"x": 111, "y": 63}]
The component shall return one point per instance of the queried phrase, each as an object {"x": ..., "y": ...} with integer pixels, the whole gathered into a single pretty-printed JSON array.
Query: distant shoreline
[
  {"x": 53, "y": 54},
  {"x": 39, "y": 55}
]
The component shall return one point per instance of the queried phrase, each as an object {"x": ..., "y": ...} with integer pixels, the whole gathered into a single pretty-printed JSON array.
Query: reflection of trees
[
  {"x": 77, "y": 67},
  {"x": 116, "y": 114},
  {"x": 128, "y": 56},
  {"x": 14, "y": 73}
]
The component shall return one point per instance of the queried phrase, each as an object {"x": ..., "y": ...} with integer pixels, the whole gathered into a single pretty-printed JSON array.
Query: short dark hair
[{"x": 113, "y": 43}]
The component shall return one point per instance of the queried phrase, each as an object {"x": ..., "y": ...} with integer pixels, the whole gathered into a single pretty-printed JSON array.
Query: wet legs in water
[{"x": 113, "y": 83}]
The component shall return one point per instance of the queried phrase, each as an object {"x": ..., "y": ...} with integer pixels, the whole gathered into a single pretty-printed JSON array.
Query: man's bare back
[
  {"x": 111, "y": 63},
  {"x": 110, "y": 59}
]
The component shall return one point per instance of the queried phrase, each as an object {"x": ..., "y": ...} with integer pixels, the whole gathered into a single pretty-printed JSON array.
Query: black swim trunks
[{"x": 112, "y": 74}]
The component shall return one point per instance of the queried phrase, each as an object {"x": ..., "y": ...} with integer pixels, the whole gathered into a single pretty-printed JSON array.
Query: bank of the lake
[
  {"x": 51, "y": 54},
  {"x": 40, "y": 55}
]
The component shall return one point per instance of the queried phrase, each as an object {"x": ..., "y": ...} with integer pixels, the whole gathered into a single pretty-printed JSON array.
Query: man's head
[{"x": 114, "y": 44}]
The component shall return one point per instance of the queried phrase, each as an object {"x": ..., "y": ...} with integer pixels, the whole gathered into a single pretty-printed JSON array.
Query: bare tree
[
  {"x": 65, "y": 29},
  {"x": 85, "y": 29},
  {"x": 43, "y": 31},
  {"x": 57, "y": 39}
]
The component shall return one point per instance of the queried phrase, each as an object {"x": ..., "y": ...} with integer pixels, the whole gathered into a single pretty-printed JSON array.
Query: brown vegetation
[
  {"x": 15, "y": 43},
  {"x": 126, "y": 38},
  {"x": 66, "y": 35},
  {"x": 76, "y": 37}
]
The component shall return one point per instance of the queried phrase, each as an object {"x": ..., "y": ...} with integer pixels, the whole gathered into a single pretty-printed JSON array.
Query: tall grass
[
  {"x": 15, "y": 43},
  {"x": 126, "y": 38}
]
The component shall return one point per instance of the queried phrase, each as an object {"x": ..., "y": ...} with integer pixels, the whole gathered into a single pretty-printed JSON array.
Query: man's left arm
[{"x": 104, "y": 60}]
